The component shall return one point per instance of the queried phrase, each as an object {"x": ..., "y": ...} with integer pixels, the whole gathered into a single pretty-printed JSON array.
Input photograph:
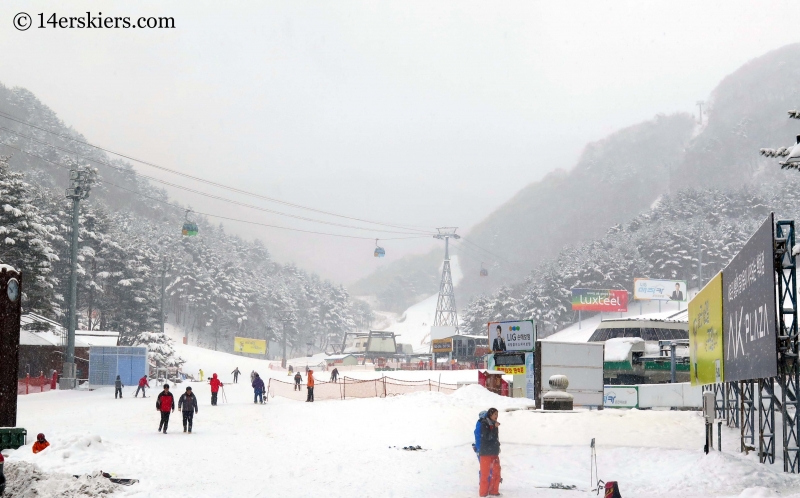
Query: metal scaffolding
[{"x": 446, "y": 315}]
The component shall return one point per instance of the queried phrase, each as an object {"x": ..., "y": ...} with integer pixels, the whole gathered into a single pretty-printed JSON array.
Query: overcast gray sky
[{"x": 414, "y": 112}]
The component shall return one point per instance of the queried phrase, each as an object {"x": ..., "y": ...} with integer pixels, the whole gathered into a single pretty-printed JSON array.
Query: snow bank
[{"x": 25, "y": 480}]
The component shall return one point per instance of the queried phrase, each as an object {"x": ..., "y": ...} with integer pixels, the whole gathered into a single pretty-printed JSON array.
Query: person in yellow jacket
[
  {"x": 310, "y": 386},
  {"x": 201, "y": 375}
]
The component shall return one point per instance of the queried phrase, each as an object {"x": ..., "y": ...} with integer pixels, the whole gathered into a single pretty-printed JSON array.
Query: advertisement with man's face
[
  {"x": 511, "y": 336},
  {"x": 647, "y": 289}
]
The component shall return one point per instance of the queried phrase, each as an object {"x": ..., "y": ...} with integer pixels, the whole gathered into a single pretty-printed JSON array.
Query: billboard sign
[
  {"x": 749, "y": 309},
  {"x": 442, "y": 345},
  {"x": 645, "y": 289},
  {"x": 706, "y": 364},
  {"x": 511, "y": 336},
  {"x": 510, "y": 363},
  {"x": 252, "y": 346},
  {"x": 599, "y": 300}
]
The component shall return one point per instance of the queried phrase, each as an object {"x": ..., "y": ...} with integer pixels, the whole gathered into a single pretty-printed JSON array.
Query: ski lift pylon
[
  {"x": 189, "y": 227},
  {"x": 484, "y": 271},
  {"x": 379, "y": 252}
]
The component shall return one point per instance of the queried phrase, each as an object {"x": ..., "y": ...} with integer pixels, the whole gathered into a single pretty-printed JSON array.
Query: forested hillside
[
  {"x": 217, "y": 285},
  {"x": 665, "y": 242}
]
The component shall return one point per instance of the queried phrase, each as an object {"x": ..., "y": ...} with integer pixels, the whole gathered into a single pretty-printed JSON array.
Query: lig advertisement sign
[
  {"x": 253, "y": 346},
  {"x": 706, "y": 345},
  {"x": 748, "y": 305},
  {"x": 646, "y": 289},
  {"x": 599, "y": 300},
  {"x": 511, "y": 336}
]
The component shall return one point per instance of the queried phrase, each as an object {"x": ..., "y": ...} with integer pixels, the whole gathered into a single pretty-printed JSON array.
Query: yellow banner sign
[
  {"x": 705, "y": 335},
  {"x": 245, "y": 345},
  {"x": 442, "y": 345},
  {"x": 511, "y": 370}
]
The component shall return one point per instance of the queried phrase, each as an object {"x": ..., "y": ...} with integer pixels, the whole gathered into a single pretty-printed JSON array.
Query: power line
[
  {"x": 216, "y": 215},
  {"x": 202, "y": 180},
  {"x": 188, "y": 189}
]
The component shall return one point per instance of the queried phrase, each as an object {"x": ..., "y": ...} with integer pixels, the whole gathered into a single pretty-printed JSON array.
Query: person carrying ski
[
  {"x": 165, "y": 403},
  {"x": 334, "y": 374},
  {"x": 258, "y": 390},
  {"x": 236, "y": 375},
  {"x": 187, "y": 404},
  {"x": 310, "y": 386},
  {"x": 489, "y": 452},
  {"x": 118, "y": 388},
  {"x": 40, "y": 444},
  {"x": 215, "y": 385},
  {"x": 297, "y": 380},
  {"x": 142, "y": 384},
  {"x": 252, "y": 375}
]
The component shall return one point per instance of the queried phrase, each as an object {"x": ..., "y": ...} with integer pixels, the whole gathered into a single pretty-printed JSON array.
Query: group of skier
[
  {"x": 142, "y": 385},
  {"x": 187, "y": 404}
]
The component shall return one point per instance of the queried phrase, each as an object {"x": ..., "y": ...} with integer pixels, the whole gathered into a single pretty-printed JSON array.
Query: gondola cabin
[
  {"x": 379, "y": 252},
  {"x": 189, "y": 229}
]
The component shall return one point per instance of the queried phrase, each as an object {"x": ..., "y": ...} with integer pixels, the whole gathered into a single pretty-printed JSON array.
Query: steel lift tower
[{"x": 446, "y": 305}]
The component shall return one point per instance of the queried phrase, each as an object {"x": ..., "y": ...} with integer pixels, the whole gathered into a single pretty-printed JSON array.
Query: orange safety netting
[{"x": 349, "y": 388}]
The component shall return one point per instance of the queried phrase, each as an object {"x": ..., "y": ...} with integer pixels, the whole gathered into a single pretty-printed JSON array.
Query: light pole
[
  {"x": 285, "y": 316},
  {"x": 79, "y": 184}
]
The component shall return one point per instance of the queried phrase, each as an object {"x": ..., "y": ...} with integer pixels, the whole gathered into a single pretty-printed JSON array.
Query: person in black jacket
[
  {"x": 490, "y": 454},
  {"x": 118, "y": 388},
  {"x": 335, "y": 375},
  {"x": 187, "y": 404},
  {"x": 236, "y": 373},
  {"x": 297, "y": 379}
]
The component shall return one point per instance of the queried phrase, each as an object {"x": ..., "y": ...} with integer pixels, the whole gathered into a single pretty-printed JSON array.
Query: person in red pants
[{"x": 489, "y": 452}]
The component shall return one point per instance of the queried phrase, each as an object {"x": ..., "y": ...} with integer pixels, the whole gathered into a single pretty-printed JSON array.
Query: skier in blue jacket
[
  {"x": 258, "y": 389},
  {"x": 476, "y": 446}
]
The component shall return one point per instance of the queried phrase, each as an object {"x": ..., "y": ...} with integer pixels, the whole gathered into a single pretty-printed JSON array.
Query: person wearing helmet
[
  {"x": 40, "y": 444},
  {"x": 297, "y": 380},
  {"x": 187, "y": 403},
  {"x": 310, "y": 386},
  {"x": 118, "y": 388},
  {"x": 215, "y": 385},
  {"x": 165, "y": 403}
]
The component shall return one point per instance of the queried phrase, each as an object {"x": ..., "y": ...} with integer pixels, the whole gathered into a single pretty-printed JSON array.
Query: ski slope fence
[{"x": 349, "y": 388}]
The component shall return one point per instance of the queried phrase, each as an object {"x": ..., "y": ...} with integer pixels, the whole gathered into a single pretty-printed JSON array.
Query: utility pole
[
  {"x": 79, "y": 186},
  {"x": 700, "y": 105},
  {"x": 285, "y": 316},
  {"x": 164, "y": 268}
]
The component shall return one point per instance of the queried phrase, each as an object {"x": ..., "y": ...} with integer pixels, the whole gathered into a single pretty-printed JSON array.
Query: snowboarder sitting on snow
[
  {"x": 489, "y": 451},
  {"x": 258, "y": 390},
  {"x": 142, "y": 384},
  {"x": 215, "y": 385},
  {"x": 165, "y": 403},
  {"x": 118, "y": 388},
  {"x": 187, "y": 404},
  {"x": 297, "y": 380},
  {"x": 236, "y": 375},
  {"x": 40, "y": 444},
  {"x": 310, "y": 386},
  {"x": 334, "y": 374}
]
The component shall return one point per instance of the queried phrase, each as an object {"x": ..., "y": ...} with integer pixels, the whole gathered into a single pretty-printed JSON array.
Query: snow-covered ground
[{"x": 351, "y": 448}]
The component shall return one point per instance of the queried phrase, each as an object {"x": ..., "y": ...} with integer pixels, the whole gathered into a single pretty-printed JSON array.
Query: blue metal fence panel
[{"x": 105, "y": 363}]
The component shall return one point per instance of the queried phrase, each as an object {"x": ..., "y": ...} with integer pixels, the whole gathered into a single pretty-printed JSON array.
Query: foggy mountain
[{"x": 621, "y": 176}]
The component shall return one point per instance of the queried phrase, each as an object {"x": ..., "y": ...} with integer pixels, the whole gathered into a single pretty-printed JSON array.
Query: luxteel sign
[
  {"x": 599, "y": 300},
  {"x": 749, "y": 309}
]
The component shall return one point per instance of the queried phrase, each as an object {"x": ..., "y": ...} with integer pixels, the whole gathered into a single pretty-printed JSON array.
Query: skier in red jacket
[
  {"x": 165, "y": 403},
  {"x": 215, "y": 385},
  {"x": 142, "y": 384}
]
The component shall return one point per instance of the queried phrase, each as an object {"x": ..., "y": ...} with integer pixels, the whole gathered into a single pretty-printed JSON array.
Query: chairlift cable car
[
  {"x": 189, "y": 227},
  {"x": 484, "y": 271},
  {"x": 379, "y": 252}
]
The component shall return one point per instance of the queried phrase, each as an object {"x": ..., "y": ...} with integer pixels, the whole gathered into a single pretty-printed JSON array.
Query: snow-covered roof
[
  {"x": 33, "y": 318},
  {"x": 619, "y": 349},
  {"x": 98, "y": 337},
  {"x": 315, "y": 360},
  {"x": 7, "y": 268},
  {"x": 338, "y": 356},
  {"x": 47, "y": 338}
]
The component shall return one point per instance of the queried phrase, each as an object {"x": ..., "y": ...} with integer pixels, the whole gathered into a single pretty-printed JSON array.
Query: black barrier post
[{"x": 719, "y": 435}]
